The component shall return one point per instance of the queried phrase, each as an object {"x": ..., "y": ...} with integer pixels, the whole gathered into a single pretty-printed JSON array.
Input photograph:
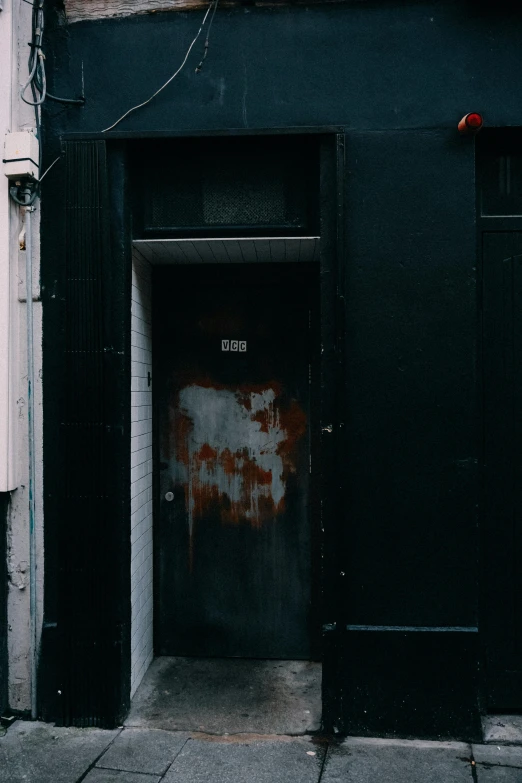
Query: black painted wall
[
  {"x": 412, "y": 431},
  {"x": 396, "y": 77},
  {"x": 4, "y": 505},
  {"x": 375, "y": 65},
  {"x": 412, "y": 416}
]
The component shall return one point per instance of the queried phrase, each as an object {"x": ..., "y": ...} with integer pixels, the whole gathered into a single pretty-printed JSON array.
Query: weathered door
[
  {"x": 232, "y": 353},
  {"x": 502, "y": 518}
]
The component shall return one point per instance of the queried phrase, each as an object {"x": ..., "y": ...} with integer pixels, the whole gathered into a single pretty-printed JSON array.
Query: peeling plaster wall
[
  {"x": 8, "y": 342},
  {"x": 18, "y": 604},
  {"x": 79, "y": 10},
  {"x": 19, "y": 638},
  {"x": 141, "y": 471},
  {"x": 4, "y": 504}
]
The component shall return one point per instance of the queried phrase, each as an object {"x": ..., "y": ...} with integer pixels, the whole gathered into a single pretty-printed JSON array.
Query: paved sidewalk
[{"x": 41, "y": 753}]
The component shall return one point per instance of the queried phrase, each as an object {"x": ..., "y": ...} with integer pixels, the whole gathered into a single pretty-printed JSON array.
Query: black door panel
[
  {"x": 231, "y": 347},
  {"x": 502, "y": 518}
]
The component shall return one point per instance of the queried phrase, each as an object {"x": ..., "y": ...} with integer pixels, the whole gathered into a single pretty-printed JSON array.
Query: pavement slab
[
  {"x": 502, "y": 729},
  {"x": 398, "y": 761},
  {"x": 116, "y": 776},
  {"x": 498, "y": 775},
  {"x": 41, "y": 753},
  {"x": 143, "y": 750},
  {"x": 228, "y": 695},
  {"x": 504, "y": 755},
  {"x": 286, "y": 760}
]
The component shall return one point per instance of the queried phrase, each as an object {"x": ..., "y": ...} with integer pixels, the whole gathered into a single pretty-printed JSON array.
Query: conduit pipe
[{"x": 32, "y": 462}]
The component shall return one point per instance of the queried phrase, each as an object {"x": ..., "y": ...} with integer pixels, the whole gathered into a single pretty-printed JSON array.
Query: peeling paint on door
[
  {"x": 234, "y": 532},
  {"x": 234, "y": 450}
]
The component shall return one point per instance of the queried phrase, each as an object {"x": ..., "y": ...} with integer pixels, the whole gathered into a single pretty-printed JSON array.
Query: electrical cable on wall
[
  {"x": 37, "y": 81},
  {"x": 36, "y": 64},
  {"x": 212, "y": 7},
  {"x": 207, "y": 39},
  {"x": 14, "y": 190}
]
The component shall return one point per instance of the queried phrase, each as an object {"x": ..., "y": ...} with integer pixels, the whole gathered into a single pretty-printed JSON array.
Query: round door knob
[{"x": 169, "y": 496}]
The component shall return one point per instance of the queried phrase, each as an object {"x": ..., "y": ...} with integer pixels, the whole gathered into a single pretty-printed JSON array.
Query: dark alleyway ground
[
  {"x": 41, "y": 753},
  {"x": 232, "y": 721}
]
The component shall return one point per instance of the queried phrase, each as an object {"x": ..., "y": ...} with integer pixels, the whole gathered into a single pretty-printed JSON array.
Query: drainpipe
[
  {"x": 31, "y": 441},
  {"x": 24, "y": 194}
]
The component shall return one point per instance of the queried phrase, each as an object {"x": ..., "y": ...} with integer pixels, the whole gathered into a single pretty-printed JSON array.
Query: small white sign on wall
[{"x": 234, "y": 345}]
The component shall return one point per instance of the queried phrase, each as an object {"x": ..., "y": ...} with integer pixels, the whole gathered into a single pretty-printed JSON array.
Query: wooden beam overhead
[{"x": 82, "y": 10}]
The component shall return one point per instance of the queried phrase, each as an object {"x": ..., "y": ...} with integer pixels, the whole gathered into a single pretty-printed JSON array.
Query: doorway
[
  {"x": 234, "y": 385},
  {"x": 226, "y": 271}
]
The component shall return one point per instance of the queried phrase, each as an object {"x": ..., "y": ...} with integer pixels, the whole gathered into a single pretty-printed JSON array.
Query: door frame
[
  {"x": 333, "y": 393},
  {"x": 327, "y": 481}
]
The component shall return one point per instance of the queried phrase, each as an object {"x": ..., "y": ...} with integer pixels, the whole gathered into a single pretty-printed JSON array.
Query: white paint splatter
[{"x": 221, "y": 420}]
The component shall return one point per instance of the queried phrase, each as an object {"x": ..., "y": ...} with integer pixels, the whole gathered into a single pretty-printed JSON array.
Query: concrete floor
[{"x": 229, "y": 696}]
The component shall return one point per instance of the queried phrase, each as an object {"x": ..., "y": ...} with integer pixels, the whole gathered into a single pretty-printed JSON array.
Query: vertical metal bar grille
[{"x": 89, "y": 680}]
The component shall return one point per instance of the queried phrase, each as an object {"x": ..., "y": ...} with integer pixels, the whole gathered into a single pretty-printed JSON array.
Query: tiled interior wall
[{"x": 141, "y": 471}]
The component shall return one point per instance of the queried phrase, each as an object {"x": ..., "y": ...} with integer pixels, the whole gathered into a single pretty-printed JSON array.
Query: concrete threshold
[{"x": 225, "y": 696}]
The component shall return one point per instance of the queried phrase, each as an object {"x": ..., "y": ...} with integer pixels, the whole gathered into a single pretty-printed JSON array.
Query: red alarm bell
[{"x": 471, "y": 123}]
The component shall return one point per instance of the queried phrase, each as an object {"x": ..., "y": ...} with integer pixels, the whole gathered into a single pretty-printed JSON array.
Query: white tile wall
[{"x": 141, "y": 471}]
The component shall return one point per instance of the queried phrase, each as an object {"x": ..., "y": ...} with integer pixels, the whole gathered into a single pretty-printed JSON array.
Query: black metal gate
[{"x": 87, "y": 611}]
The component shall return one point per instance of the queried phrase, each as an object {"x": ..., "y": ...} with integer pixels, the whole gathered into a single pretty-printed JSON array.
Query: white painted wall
[
  {"x": 8, "y": 320},
  {"x": 15, "y": 32},
  {"x": 141, "y": 471}
]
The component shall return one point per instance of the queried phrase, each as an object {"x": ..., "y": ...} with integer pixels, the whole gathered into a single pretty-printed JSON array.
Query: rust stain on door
[{"x": 234, "y": 448}]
